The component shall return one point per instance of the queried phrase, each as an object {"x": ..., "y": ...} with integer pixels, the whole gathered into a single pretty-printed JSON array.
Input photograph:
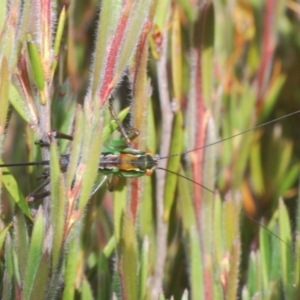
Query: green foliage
[{"x": 227, "y": 225}]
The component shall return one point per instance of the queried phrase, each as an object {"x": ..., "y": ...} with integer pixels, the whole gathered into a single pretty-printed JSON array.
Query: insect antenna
[
  {"x": 291, "y": 247},
  {"x": 23, "y": 164},
  {"x": 230, "y": 137},
  {"x": 187, "y": 178},
  {"x": 242, "y": 211}
]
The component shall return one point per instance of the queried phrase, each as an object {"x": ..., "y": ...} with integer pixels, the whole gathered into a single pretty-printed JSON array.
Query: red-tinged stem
[
  {"x": 73, "y": 193},
  {"x": 140, "y": 89},
  {"x": 198, "y": 165},
  {"x": 11, "y": 21},
  {"x": 121, "y": 275},
  {"x": 140, "y": 47},
  {"x": 45, "y": 20},
  {"x": 208, "y": 283},
  {"x": 162, "y": 229},
  {"x": 197, "y": 168},
  {"x": 134, "y": 197},
  {"x": 268, "y": 45},
  {"x": 113, "y": 54},
  {"x": 25, "y": 85}
]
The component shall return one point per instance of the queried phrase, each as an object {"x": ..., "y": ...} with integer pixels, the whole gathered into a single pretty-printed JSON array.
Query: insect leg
[
  {"x": 112, "y": 182},
  {"x": 35, "y": 195},
  {"x": 60, "y": 135},
  {"x": 121, "y": 127},
  {"x": 54, "y": 134},
  {"x": 98, "y": 184}
]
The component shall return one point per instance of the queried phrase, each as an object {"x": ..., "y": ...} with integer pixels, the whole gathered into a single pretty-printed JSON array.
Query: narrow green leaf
[
  {"x": 297, "y": 244},
  {"x": 141, "y": 91},
  {"x": 146, "y": 220},
  {"x": 136, "y": 20},
  {"x": 58, "y": 222},
  {"x": 54, "y": 183},
  {"x": 104, "y": 278},
  {"x": 186, "y": 207},
  {"x": 289, "y": 178},
  {"x": 86, "y": 291},
  {"x": 9, "y": 273},
  {"x": 195, "y": 265},
  {"x": 109, "y": 247},
  {"x": 218, "y": 231},
  {"x": 129, "y": 258},
  {"x": 120, "y": 196},
  {"x": 161, "y": 14},
  {"x": 92, "y": 163},
  {"x": 21, "y": 242},
  {"x": 207, "y": 54},
  {"x": 265, "y": 257},
  {"x": 251, "y": 276},
  {"x": 176, "y": 55},
  {"x": 70, "y": 271},
  {"x": 36, "y": 64},
  {"x": 40, "y": 287},
  {"x": 234, "y": 270},
  {"x": 17, "y": 102},
  {"x": 173, "y": 165},
  {"x": 3, "y": 234},
  {"x": 209, "y": 177},
  {"x": 25, "y": 19},
  {"x": 3, "y": 13},
  {"x": 275, "y": 272},
  {"x": 285, "y": 250},
  {"x": 34, "y": 255},
  {"x": 4, "y": 91},
  {"x": 57, "y": 41},
  {"x": 144, "y": 269},
  {"x": 258, "y": 275},
  {"x": 107, "y": 24},
  {"x": 272, "y": 95},
  {"x": 13, "y": 189},
  {"x": 63, "y": 109},
  {"x": 257, "y": 168},
  {"x": 76, "y": 146},
  {"x": 297, "y": 265},
  {"x": 231, "y": 223}
]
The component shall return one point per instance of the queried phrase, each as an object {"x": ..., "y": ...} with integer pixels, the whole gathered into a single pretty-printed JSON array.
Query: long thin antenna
[
  {"x": 245, "y": 214},
  {"x": 231, "y": 137},
  {"x": 32, "y": 163},
  {"x": 189, "y": 179},
  {"x": 271, "y": 232}
]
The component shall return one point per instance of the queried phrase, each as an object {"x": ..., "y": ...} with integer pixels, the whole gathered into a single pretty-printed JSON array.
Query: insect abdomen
[{"x": 136, "y": 164}]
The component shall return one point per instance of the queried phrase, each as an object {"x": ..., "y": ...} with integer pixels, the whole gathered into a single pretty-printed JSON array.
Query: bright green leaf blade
[
  {"x": 173, "y": 165},
  {"x": 3, "y": 234},
  {"x": 13, "y": 189},
  {"x": 129, "y": 258},
  {"x": 34, "y": 255},
  {"x": 4, "y": 91},
  {"x": 70, "y": 271}
]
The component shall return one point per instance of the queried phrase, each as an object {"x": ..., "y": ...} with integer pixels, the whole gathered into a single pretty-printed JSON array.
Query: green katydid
[{"x": 118, "y": 159}]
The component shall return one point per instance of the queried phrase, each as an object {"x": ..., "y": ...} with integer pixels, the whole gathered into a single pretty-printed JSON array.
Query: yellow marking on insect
[{"x": 126, "y": 164}]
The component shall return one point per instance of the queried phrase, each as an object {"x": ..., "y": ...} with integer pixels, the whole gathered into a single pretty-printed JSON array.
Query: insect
[{"x": 118, "y": 159}]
